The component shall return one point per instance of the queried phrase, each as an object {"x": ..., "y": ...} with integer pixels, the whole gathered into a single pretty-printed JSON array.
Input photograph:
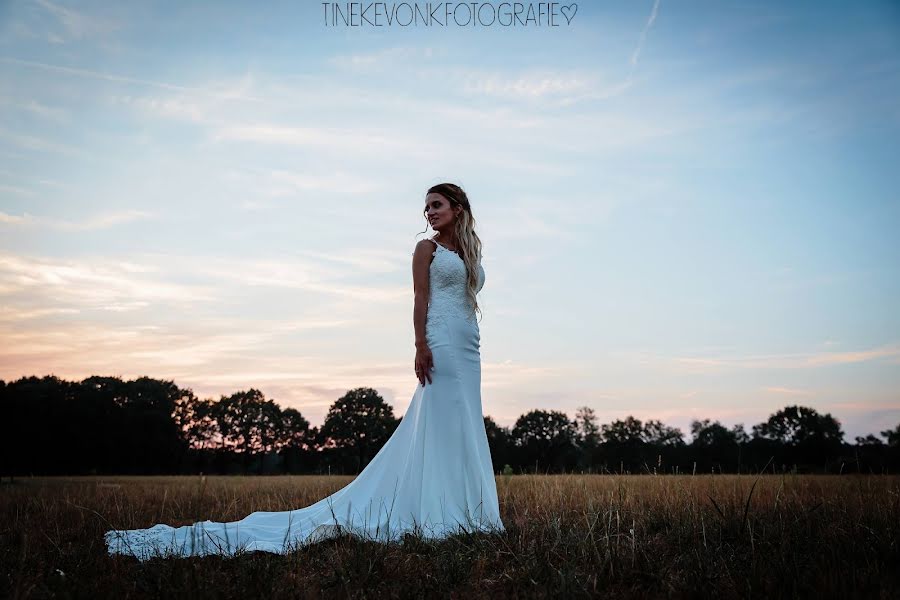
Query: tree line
[{"x": 104, "y": 425}]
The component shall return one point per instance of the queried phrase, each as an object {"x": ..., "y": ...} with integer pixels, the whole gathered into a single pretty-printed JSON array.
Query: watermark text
[{"x": 448, "y": 14}]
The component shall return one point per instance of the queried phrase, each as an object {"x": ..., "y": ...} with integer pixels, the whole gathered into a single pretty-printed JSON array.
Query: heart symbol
[{"x": 573, "y": 8}]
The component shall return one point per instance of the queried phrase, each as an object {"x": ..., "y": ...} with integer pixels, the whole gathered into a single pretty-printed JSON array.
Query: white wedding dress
[{"x": 433, "y": 477}]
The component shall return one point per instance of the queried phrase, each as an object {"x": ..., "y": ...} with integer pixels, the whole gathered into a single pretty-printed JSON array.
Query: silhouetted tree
[
  {"x": 588, "y": 438},
  {"x": 655, "y": 432},
  {"x": 715, "y": 445},
  {"x": 359, "y": 423},
  {"x": 249, "y": 423},
  {"x": 106, "y": 425},
  {"x": 869, "y": 440},
  {"x": 586, "y": 427},
  {"x": 892, "y": 435},
  {"x": 545, "y": 439},
  {"x": 499, "y": 442},
  {"x": 706, "y": 434},
  {"x": 296, "y": 442},
  {"x": 196, "y": 417},
  {"x": 800, "y": 424},
  {"x": 629, "y": 430},
  {"x": 142, "y": 435},
  {"x": 295, "y": 430},
  {"x": 805, "y": 436},
  {"x": 740, "y": 436}
]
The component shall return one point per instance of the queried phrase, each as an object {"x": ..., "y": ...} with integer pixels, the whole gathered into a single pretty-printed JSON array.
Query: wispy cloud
[
  {"x": 87, "y": 346},
  {"x": 787, "y": 391},
  {"x": 8, "y": 313},
  {"x": 76, "y": 25},
  {"x": 711, "y": 364},
  {"x": 311, "y": 276},
  {"x": 365, "y": 260},
  {"x": 32, "y": 142},
  {"x": 87, "y": 284},
  {"x": 386, "y": 58},
  {"x": 18, "y": 191},
  {"x": 543, "y": 88},
  {"x": 529, "y": 85},
  {"x": 636, "y": 55},
  {"x": 102, "y": 221},
  {"x": 276, "y": 182},
  {"x": 600, "y": 93},
  {"x": 50, "y": 113},
  {"x": 94, "y": 283},
  {"x": 516, "y": 126},
  {"x": 507, "y": 372},
  {"x": 843, "y": 358},
  {"x": 343, "y": 140},
  {"x": 226, "y": 92},
  {"x": 608, "y": 90},
  {"x": 176, "y": 108}
]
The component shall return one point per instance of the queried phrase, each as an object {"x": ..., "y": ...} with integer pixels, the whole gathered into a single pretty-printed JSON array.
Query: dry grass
[{"x": 567, "y": 535}]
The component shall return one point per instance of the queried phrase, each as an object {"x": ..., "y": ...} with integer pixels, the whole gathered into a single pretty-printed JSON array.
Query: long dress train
[{"x": 433, "y": 477}]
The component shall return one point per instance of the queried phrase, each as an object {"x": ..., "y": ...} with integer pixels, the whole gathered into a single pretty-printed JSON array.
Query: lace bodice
[{"x": 447, "y": 286}]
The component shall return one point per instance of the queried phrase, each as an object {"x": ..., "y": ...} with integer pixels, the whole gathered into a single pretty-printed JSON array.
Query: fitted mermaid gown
[{"x": 433, "y": 477}]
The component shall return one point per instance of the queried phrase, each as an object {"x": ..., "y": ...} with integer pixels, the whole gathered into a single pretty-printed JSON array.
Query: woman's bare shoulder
[{"x": 426, "y": 246}]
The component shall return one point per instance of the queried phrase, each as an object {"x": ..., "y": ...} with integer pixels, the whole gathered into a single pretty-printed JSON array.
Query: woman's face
[{"x": 438, "y": 210}]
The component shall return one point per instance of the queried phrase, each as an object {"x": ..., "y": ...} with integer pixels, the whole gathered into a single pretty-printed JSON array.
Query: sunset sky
[{"x": 688, "y": 209}]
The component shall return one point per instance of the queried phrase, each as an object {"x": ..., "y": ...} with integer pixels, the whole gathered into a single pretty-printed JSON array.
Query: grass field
[{"x": 567, "y": 535}]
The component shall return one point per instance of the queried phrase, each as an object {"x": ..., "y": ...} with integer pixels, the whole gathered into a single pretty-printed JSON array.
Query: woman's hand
[{"x": 424, "y": 363}]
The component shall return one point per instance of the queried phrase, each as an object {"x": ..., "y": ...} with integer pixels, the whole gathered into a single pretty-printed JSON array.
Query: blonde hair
[{"x": 468, "y": 242}]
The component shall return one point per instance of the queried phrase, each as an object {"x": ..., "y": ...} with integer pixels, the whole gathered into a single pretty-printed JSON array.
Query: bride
[{"x": 433, "y": 477}]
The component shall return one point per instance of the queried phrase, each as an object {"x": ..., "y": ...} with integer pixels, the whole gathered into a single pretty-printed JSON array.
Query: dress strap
[{"x": 443, "y": 246}]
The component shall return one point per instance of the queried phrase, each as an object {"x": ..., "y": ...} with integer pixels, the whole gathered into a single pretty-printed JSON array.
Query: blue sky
[{"x": 688, "y": 208}]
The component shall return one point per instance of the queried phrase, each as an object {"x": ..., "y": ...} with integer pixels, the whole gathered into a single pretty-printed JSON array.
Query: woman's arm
[{"x": 421, "y": 264}]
